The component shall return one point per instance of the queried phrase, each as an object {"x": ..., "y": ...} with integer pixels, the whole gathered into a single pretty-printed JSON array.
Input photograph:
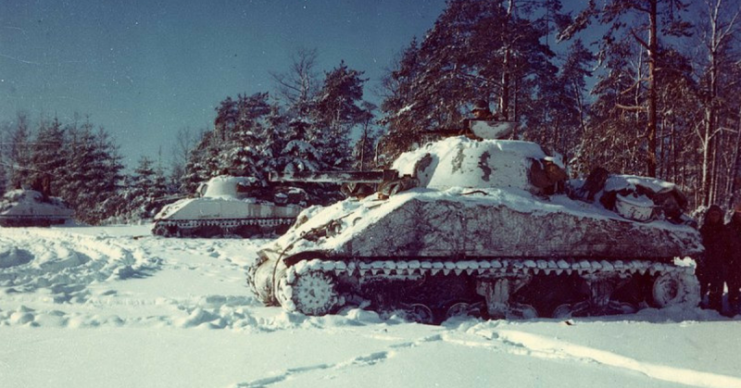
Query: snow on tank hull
[
  {"x": 226, "y": 208},
  {"x": 30, "y": 208},
  {"x": 494, "y": 252},
  {"x": 212, "y": 217}
]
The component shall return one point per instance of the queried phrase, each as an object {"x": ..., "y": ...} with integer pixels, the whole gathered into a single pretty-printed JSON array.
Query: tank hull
[
  {"x": 219, "y": 217},
  {"x": 19, "y": 208},
  {"x": 492, "y": 252}
]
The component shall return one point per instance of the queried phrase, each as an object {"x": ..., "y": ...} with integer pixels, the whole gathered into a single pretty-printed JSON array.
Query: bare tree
[
  {"x": 298, "y": 86},
  {"x": 185, "y": 141},
  {"x": 718, "y": 27}
]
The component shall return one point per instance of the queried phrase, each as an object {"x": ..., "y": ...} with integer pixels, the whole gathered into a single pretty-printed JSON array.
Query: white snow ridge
[{"x": 117, "y": 307}]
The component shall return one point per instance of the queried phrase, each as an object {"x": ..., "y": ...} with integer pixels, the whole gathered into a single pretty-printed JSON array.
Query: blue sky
[{"x": 145, "y": 69}]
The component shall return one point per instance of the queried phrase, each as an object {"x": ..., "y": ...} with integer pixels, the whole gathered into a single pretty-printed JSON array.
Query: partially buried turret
[{"x": 490, "y": 228}]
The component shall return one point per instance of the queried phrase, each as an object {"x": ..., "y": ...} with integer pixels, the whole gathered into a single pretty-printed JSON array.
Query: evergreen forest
[{"x": 643, "y": 87}]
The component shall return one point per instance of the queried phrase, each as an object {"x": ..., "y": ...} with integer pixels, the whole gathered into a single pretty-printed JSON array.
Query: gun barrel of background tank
[{"x": 374, "y": 176}]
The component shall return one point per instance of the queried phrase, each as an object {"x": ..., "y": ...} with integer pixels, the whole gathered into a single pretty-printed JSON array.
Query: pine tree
[
  {"x": 337, "y": 111},
  {"x": 299, "y": 155},
  {"x": 48, "y": 158},
  {"x": 477, "y": 50},
  {"x": 639, "y": 22},
  {"x": 92, "y": 175},
  {"x": 146, "y": 187},
  {"x": 402, "y": 116},
  {"x": 244, "y": 152},
  {"x": 203, "y": 163},
  {"x": 19, "y": 156}
]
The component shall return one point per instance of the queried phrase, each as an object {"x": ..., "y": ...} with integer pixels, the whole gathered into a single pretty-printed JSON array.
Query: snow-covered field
[{"x": 116, "y": 307}]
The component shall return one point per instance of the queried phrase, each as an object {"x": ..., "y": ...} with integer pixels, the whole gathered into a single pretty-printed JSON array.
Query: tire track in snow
[
  {"x": 526, "y": 344},
  {"x": 359, "y": 361}
]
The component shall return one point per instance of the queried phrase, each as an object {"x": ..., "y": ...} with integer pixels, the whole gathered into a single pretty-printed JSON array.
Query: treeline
[
  {"x": 654, "y": 93},
  {"x": 308, "y": 126},
  {"x": 79, "y": 163}
]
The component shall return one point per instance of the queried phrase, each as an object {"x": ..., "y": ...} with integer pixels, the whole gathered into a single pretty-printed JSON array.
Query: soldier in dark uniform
[
  {"x": 711, "y": 268},
  {"x": 733, "y": 270},
  {"x": 481, "y": 111}
]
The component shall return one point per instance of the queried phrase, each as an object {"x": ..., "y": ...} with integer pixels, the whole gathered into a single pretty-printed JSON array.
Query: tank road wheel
[
  {"x": 315, "y": 293},
  {"x": 599, "y": 301},
  {"x": 463, "y": 309},
  {"x": 246, "y": 231},
  {"x": 498, "y": 291},
  {"x": 672, "y": 289},
  {"x": 420, "y": 313},
  {"x": 161, "y": 230}
]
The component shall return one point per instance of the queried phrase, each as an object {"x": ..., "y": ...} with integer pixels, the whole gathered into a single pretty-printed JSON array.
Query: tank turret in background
[
  {"x": 468, "y": 225},
  {"x": 231, "y": 206},
  {"x": 32, "y": 208}
]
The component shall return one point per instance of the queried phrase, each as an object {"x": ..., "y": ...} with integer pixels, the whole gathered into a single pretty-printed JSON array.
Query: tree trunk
[{"x": 651, "y": 129}]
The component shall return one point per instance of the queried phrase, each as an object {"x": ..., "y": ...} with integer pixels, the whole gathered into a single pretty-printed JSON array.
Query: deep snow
[{"x": 117, "y": 307}]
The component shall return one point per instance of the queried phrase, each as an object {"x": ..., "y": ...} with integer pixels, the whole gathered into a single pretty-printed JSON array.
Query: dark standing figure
[
  {"x": 733, "y": 270},
  {"x": 711, "y": 268},
  {"x": 481, "y": 111}
]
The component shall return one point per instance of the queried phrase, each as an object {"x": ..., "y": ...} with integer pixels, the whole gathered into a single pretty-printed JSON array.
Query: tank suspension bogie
[
  {"x": 491, "y": 288},
  {"x": 243, "y": 227},
  {"x": 599, "y": 302},
  {"x": 498, "y": 292}
]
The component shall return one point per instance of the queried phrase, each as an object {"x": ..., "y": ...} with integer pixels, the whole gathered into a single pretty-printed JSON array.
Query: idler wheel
[
  {"x": 315, "y": 293},
  {"x": 672, "y": 289},
  {"x": 161, "y": 230}
]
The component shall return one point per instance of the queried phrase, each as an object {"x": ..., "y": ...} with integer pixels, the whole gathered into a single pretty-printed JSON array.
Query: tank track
[
  {"x": 243, "y": 227},
  {"x": 317, "y": 287}
]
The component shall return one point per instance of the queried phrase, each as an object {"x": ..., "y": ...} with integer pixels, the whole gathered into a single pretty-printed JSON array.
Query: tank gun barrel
[{"x": 373, "y": 176}]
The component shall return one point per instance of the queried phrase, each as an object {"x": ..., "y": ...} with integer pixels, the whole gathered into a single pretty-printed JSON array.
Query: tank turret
[
  {"x": 231, "y": 206},
  {"x": 484, "y": 227},
  {"x": 32, "y": 208}
]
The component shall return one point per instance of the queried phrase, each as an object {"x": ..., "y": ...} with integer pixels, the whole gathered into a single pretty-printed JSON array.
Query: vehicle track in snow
[{"x": 532, "y": 345}]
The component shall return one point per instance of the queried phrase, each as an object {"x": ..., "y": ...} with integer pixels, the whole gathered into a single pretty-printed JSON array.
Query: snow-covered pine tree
[
  {"x": 19, "y": 155},
  {"x": 48, "y": 157},
  {"x": 336, "y": 112},
  {"x": 402, "y": 114},
  {"x": 203, "y": 163},
  {"x": 92, "y": 175},
  {"x": 563, "y": 107},
  {"x": 244, "y": 151},
  {"x": 644, "y": 24},
  {"x": 276, "y": 136},
  {"x": 146, "y": 186},
  {"x": 478, "y": 49},
  {"x": 299, "y": 155}
]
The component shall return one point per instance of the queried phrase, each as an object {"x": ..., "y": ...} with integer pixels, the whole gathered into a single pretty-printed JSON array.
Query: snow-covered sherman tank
[
  {"x": 489, "y": 228},
  {"x": 32, "y": 208},
  {"x": 231, "y": 206}
]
